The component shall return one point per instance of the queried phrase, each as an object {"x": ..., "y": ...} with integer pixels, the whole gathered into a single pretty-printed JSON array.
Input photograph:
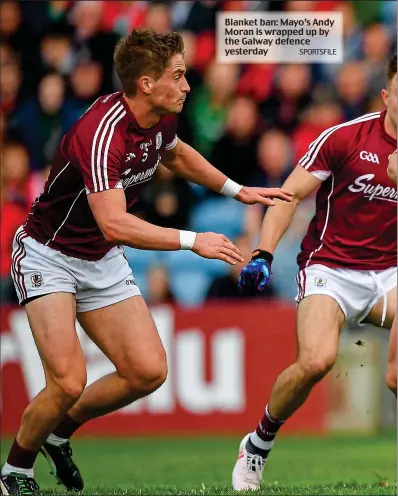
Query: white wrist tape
[
  {"x": 230, "y": 188},
  {"x": 187, "y": 240}
]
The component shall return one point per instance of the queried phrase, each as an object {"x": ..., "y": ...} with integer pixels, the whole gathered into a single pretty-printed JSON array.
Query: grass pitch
[{"x": 177, "y": 466}]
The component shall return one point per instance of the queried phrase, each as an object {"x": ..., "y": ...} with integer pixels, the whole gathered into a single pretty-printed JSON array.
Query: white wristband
[
  {"x": 230, "y": 188},
  {"x": 187, "y": 240}
]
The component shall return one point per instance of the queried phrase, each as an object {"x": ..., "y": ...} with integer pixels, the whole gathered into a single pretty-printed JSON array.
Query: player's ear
[
  {"x": 146, "y": 84},
  {"x": 384, "y": 96}
]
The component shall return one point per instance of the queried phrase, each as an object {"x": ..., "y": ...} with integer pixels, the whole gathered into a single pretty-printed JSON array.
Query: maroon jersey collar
[
  {"x": 133, "y": 121},
  {"x": 384, "y": 133}
]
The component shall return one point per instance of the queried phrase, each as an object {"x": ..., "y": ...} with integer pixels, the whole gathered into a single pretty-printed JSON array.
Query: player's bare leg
[
  {"x": 319, "y": 322},
  {"x": 65, "y": 373},
  {"x": 375, "y": 317},
  {"x": 127, "y": 334}
]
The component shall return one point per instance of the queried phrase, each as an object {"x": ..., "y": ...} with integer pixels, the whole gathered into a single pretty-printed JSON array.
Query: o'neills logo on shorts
[{"x": 373, "y": 191}]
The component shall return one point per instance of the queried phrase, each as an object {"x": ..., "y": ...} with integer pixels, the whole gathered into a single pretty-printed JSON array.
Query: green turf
[{"x": 333, "y": 465}]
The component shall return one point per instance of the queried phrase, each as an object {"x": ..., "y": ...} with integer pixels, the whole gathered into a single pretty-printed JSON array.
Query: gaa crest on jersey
[
  {"x": 158, "y": 140},
  {"x": 37, "y": 279},
  {"x": 320, "y": 282},
  {"x": 370, "y": 157}
]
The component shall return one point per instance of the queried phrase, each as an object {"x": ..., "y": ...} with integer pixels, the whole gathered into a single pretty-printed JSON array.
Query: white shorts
[
  {"x": 39, "y": 270},
  {"x": 356, "y": 291}
]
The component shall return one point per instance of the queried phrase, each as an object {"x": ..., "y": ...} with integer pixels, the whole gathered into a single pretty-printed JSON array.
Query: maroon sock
[
  {"x": 21, "y": 457},
  {"x": 66, "y": 427},
  {"x": 268, "y": 426}
]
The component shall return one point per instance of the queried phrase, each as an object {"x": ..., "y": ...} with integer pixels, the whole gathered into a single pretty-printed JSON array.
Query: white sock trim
[
  {"x": 259, "y": 443},
  {"x": 55, "y": 440},
  {"x": 271, "y": 419},
  {"x": 7, "y": 469}
]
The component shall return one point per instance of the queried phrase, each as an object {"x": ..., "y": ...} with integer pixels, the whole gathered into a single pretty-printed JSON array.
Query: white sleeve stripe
[
  {"x": 93, "y": 147},
  {"x": 316, "y": 145},
  {"x": 172, "y": 144},
  {"x": 322, "y": 174},
  {"x": 107, "y": 148},
  {"x": 316, "y": 150},
  {"x": 101, "y": 142},
  {"x": 353, "y": 121}
]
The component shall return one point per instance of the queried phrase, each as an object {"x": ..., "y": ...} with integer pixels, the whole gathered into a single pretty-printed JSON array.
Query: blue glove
[{"x": 257, "y": 273}]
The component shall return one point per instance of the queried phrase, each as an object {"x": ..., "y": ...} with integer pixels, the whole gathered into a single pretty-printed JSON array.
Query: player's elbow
[
  {"x": 109, "y": 235},
  {"x": 111, "y": 231}
]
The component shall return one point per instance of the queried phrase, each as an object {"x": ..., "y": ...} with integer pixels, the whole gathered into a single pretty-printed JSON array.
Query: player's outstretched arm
[
  {"x": 188, "y": 163},
  {"x": 256, "y": 275},
  {"x": 277, "y": 220},
  {"x": 392, "y": 167},
  {"x": 122, "y": 228}
]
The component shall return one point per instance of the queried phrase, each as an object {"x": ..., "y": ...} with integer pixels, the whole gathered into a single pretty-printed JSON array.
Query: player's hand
[
  {"x": 250, "y": 196},
  {"x": 212, "y": 245},
  {"x": 255, "y": 276}
]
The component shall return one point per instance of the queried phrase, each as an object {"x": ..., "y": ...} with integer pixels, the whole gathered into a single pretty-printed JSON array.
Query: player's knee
[
  {"x": 158, "y": 376},
  {"x": 150, "y": 375},
  {"x": 154, "y": 375},
  {"x": 391, "y": 380},
  {"x": 71, "y": 387},
  {"x": 314, "y": 369}
]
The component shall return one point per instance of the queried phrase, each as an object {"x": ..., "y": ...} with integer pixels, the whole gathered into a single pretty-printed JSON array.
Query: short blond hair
[{"x": 144, "y": 51}]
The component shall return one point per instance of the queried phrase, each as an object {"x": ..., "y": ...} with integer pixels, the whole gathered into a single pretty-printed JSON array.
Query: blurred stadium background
[{"x": 252, "y": 122}]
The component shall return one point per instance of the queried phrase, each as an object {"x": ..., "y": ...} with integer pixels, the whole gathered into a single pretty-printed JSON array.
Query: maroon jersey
[
  {"x": 105, "y": 149},
  {"x": 356, "y": 205}
]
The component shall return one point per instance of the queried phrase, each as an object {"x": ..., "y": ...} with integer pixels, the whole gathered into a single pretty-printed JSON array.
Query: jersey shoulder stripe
[
  {"x": 101, "y": 144},
  {"x": 308, "y": 159}
]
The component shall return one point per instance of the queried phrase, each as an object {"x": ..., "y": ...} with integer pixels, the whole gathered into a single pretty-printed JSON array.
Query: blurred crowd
[{"x": 253, "y": 122}]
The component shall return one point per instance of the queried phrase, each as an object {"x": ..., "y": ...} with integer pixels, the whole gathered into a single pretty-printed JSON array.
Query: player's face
[
  {"x": 169, "y": 91},
  {"x": 390, "y": 100}
]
